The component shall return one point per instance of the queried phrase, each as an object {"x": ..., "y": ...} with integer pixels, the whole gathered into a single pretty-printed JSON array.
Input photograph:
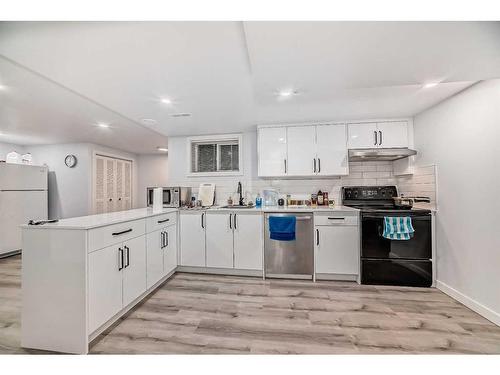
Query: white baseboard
[{"x": 486, "y": 312}]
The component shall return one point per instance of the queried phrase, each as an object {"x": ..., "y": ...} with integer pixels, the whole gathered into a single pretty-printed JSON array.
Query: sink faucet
[{"x": 240, "y": 192}]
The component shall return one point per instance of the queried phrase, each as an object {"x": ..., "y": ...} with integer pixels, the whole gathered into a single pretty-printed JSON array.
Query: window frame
[{"x": 219, "y": 139}]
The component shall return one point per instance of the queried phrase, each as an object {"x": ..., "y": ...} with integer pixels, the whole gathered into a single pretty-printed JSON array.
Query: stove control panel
[{"x": 369, "y": 192}]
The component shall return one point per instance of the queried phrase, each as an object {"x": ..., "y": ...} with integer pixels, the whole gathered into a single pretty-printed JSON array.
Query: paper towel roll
[{"x": 158, "y": 199}]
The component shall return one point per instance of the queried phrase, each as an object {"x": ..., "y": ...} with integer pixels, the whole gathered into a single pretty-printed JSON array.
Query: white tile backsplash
[
  {"x": 423, "y": 182},
  {"x": 361, "y": 174}
]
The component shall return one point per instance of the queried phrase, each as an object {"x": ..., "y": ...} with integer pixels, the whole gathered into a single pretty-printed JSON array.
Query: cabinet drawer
[
  {"x": 116, "y": 233},
  {"x": 336, "y": 218},
  {"x": 161, "y": 221}
]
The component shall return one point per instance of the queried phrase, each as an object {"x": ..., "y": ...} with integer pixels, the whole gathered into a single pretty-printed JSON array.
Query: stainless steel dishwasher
[{"x": 290, "y": 259}]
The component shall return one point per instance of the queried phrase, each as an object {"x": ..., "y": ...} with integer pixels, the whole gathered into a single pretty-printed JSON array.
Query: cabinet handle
[
  {"x": 317, "y": 237},
  {"x": 162, "y": 240},
  {"x": 128, "y": 256},
  {"x": 235, "y": 227},
  {"x": 380, "y": 141},
  {"x": 202, "y": 217},
  {"x": 163, "y": 221},
  {"x": 376, "y": 141},
  {"x": 336, "y": 218},
  {"x": 314, "y": 169},
  {"x": 319, "y": 165},
  {"x": 166, "y": 239},
  {"x": 120, "y": 259},
  {"x": 122, "y": 232},
  {"x": 230, "y": 223},
  {"x": 285, "y": 164}
]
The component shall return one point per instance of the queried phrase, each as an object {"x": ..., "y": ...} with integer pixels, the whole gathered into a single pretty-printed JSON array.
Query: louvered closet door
[
  {"x": 99, "y": 188},
  {"x": 119, "y": 185},
  {"x": 110, "y": 168},
  {"x": 112, "y": 184},
  {"x": 127, "y": 185}
]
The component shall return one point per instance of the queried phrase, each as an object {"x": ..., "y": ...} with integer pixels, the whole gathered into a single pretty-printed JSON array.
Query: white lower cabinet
[
  {"x": 192, "y": 237},
  {"x": 105, "y": 285},
  {"x": 248, "y": 242},
  {"x": 170, "y": 250},
  {"x": 154, "y": 257},
  {"x": 234, "y": 240},
  {"x": 134, "y": 271},
  {"x": 219, "y": 239},
  {"x": 117, "y": 276},
  {"x": 337, "y": 245},
  {"x": 161, "y": 253}
]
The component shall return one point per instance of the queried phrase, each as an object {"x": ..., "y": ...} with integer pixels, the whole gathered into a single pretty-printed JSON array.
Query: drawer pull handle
[
  {"x": 163, "y": 221},
  {"x": 120, "y": 259},
  {"x": 122, "y": 232},
  {"x": 128, "y": 256},
  {"x": 336, "y": 218}
]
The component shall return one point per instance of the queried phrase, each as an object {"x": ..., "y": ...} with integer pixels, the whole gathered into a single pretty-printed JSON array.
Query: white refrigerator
[{"x": 23, "y": 197}]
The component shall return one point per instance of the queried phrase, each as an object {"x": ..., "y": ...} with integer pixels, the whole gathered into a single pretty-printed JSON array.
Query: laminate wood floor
[{"x": 207, "y": 314}]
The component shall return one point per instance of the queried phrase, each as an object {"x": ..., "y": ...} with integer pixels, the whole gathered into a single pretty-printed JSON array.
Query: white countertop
[
  {"x": 281, "y": 209},
  {"x": 101, "y": 220}
]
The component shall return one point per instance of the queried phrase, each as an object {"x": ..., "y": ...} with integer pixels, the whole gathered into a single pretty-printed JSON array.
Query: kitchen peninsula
[{"x": 80, "y": 275}]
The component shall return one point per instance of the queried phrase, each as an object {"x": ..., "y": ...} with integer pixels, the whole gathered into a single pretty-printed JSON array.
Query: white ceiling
[{"x": 226, "y": 74}]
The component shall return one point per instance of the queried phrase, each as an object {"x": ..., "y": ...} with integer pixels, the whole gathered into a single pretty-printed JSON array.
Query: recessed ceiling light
[
  {"x": 166, "y": 101},
  {"x": 429, "y": 85},
  {"x": 180, "y": 115},
  {"x": 162, "y": 149},
  {"x": 3, "y": 87},
  {"x": 149, "y": 121},
  {"x": 103, "y": 125},
  {"x": 287, "y": 93}
]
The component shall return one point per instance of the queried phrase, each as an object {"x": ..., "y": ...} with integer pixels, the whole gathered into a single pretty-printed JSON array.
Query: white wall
[
  {"x": 461, "y": 136},
  {"x": 152, "y": 171},
  {"x": 70, "y": 189}
]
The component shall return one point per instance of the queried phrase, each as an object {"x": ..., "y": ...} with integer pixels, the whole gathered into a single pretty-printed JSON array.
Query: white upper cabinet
[
  {"x": 301, "y": 142},
  {"x": 310, "y": 150},
  {"x": 331, "y": 150},
  {"x": 390, "y": 134},
  {"x": 393, "y": 134},
  {"x": 362, "y": 135},
  {"x": 272, "y": 151}
]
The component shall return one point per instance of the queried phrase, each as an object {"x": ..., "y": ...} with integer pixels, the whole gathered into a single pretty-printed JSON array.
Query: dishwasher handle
[{"x": 302, "y": 218}]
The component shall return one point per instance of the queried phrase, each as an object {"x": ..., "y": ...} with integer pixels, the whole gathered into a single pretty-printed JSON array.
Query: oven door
[{"x": 374, "y": 246}]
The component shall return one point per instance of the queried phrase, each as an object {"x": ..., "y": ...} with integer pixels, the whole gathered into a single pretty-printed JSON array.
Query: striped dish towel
[{"x": 398, "y": 228}]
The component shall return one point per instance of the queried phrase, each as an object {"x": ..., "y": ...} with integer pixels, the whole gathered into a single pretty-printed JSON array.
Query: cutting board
[{"x": 206, "y": 194}]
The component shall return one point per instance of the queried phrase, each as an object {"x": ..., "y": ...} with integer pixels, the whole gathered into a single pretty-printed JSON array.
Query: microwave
[{"x": 172, "y": 196}]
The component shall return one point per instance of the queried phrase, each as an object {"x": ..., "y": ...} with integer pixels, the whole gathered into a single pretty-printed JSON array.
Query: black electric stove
[{"x": 385, "y": 261}]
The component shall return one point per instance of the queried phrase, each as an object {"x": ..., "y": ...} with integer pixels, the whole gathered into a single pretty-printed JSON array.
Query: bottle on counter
[
  {"x": 314, "y": 200},
  {"x": 230, "y": 201},
  {"x": 325, "y": 198},
  {"x": 258, "y": 201},
  {"x": 320, "y": 198}
]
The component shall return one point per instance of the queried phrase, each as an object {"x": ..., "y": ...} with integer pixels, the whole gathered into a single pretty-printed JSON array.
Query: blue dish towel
[
  {"x": 282, "y": 228},
  {"x": 398, "y": 228}
]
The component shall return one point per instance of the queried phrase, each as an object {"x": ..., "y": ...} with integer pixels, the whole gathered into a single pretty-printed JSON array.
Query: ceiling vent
[{"x": 180, "y": 115}]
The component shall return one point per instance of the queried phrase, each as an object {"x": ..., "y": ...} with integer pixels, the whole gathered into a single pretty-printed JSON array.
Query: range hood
[{"x": 381, "y": 154}]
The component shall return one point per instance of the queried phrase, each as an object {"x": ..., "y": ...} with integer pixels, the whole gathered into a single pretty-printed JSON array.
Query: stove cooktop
[{"x": 376, "y": 199}]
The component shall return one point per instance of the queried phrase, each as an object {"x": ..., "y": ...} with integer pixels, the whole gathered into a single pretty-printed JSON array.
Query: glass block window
[{"x": 212, "y": 156}]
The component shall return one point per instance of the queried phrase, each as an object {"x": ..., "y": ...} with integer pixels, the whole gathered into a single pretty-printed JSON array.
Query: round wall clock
[{"x": 70, "y": 161}]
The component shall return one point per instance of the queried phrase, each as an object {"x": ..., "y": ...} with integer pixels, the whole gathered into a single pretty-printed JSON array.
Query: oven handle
[{"x": 413, "y": 216}]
